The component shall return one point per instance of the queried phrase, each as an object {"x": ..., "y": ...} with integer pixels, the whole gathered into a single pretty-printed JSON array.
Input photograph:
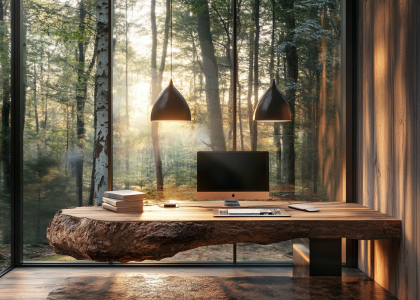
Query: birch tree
[{"x": 101, "y": 143}]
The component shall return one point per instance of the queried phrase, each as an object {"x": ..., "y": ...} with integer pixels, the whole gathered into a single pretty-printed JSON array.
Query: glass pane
[
  {"x": 5, "y": 160},
  {"x": 60, "y": 78},
  {"x": 160, "y": 158},
  {"x": 299, "y": 47}
]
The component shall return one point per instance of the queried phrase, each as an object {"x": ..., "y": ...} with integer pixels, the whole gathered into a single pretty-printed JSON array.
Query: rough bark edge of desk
[{"x": 106, "y": 241}]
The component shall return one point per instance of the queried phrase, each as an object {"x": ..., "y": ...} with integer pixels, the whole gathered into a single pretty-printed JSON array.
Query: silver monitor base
[{"x": 232, "y": 202}]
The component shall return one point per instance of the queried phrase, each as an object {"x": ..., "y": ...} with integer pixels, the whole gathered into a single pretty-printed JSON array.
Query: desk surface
[
  {"x": 196, "y": 211},
  {"x": 100, "y": 235}
]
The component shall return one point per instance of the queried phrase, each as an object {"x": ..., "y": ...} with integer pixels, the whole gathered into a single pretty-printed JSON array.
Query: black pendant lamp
[
  {"x": 273, "y": 106},
  {"x": 170, "y": 105}
]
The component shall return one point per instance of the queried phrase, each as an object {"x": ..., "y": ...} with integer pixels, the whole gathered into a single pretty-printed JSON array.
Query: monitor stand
[{"x": 232, "y": 202}]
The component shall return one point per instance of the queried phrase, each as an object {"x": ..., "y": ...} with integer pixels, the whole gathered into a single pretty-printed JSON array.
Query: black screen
[{"x": 232, "y": 171}]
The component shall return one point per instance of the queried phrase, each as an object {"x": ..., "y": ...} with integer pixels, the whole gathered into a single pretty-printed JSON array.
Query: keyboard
[{"x": 254, "y": 212}]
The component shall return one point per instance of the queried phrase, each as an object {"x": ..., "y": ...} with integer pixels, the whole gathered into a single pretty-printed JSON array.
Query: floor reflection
[{"x": 142, "y": 286}]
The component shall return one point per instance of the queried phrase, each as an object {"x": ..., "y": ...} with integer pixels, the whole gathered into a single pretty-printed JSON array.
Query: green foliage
[{"x": 46, "y": 191}]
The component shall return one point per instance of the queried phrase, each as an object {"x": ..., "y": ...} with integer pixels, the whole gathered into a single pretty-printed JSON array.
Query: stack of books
[{"x": 124, "y": 201}]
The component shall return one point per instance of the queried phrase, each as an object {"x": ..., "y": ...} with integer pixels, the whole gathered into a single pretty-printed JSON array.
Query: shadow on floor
[{"x": 153, "y": 286}]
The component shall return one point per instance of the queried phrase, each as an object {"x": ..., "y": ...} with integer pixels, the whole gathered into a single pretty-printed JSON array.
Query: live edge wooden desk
[{"x": 99, "y": 235}]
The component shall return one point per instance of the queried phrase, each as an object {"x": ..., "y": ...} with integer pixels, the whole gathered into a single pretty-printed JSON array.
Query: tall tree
[
  {"x": 80, "y": 106},
  {"x": 127, "y": 115},
  {"x": 102, "y": 94},
  {"x": 273, "y": 29},
  {"x": 95, "y": 122},
  {"x": 83, "y": 75},
  {"x": 276, "y": 133},
  {"x": 157, "y": 78},
  {"x": 241, "y": 133},
  {"x": 292, "y": 79},
  {"x": 5, "y": 117},
  {"x": 211, "y": 73},
  {"x": 165, "y": 45},
  {"x": 254, "y": 137},
  {"x": 250, "y": 84},
  {"x": 225, "y": 22}
]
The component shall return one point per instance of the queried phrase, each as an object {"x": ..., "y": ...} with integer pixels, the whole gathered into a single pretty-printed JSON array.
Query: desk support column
[{"x": 316, "y": 257}]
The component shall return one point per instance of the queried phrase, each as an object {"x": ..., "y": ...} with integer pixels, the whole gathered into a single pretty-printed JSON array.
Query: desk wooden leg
[{"x": 316, "y": 257}]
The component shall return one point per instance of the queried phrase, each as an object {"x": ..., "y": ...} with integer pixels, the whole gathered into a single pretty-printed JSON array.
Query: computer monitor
[{"x": 232, "y": 175}]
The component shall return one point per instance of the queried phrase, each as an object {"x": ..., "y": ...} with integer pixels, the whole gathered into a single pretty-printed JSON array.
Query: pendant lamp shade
[
  {"x": 273, "y": 106},
  {"x": 170, "y": 105}
]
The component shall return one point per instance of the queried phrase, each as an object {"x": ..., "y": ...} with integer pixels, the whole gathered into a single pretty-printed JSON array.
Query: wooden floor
[{"x": 38, "y": 282}]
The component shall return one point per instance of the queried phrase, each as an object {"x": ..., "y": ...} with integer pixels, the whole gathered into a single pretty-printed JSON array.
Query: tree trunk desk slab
[{"x": 96, "y": 234}]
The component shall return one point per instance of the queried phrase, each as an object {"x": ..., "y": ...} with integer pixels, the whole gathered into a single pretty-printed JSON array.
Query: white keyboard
[{"x": 250, "y": 212}]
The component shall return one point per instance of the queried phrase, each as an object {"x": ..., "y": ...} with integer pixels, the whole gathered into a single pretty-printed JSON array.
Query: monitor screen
[{"x": 245, "y": 171}]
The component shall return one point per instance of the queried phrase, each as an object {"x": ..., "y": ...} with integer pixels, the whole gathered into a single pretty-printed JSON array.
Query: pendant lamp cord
[{"x": 171, "y": 39}]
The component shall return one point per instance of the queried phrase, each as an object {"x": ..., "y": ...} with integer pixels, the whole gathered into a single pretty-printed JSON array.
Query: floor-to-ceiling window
[
  {"x": 5, "y": 137},
  {"x": 297, "y": 43}
]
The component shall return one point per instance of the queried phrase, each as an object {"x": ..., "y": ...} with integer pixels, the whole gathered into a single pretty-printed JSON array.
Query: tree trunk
[
  {"x": 315, "y": 135},
  {"x": 278, "y": 67},
  {"x": 127, "y": 115},
  {"x": 155, "y": 93},
  {"x": 273, "y": 28},
  {"x": 80, "y": 108},
  {"x": 165, "y": 45},
  {"x": 254, "y": 139},
  {"x": 25, "y": 70},
  {"x": 250, "y": 83},
  {"x": 101, "y": 84},
  {"x": 36, "y": 112},
  {"x": 276, "y": 140},
  {"x": 228, "y": 54},
  {"x": 95, "y": 123},
  {"x": 240, "y": 115},
  {"x": 81, "y": 97},
  {"x": 322, "y": 124},
  {"x": 292, "y": 76},
  {"x": 92, "y": 177},
  {"x": 277, "y": 145},
  {"x": 217, "y": 139},
  {"x": 5, "y": 121}
]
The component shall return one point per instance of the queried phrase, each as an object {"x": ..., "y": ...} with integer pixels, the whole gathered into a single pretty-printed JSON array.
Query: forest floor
[
  {"x": 246, "y": 252},
  {"x": 43, "y": 252},
  {"x": 4, "y": 256},
  {"x": 222, "y": 253}
]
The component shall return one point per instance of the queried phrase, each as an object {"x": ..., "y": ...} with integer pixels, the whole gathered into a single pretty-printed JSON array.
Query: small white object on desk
[{"x": 304, "y": 207}]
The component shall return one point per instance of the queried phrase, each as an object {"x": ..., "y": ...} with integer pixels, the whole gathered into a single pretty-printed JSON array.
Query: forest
[{"x": 295, "y": 42}]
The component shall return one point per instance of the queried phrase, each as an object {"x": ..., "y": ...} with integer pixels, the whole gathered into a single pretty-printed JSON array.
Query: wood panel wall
[{"x": 388, "y": 137}]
